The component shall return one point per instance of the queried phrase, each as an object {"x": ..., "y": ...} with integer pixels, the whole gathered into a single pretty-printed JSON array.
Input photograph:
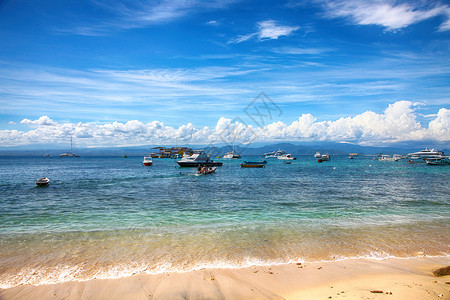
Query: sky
[{"x": 122, "y": 72}]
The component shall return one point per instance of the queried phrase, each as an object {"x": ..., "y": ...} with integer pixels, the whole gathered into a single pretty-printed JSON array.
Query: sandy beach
[{"x": 348, "y": 279}]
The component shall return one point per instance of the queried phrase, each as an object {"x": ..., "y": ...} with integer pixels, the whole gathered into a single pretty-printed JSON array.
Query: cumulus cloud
[
  {"x": 392, "y": 15},
  {"x": 267, "y": 30},
  {"x": 397, "y": 123}
]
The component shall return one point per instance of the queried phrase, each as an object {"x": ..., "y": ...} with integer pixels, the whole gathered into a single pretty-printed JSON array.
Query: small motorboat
[
  {"x": 43, "y": 181},
  {"x": 206, "y": 170},
  {"x": 254, "y": 164},
  {"x": 148, "y": 161}
]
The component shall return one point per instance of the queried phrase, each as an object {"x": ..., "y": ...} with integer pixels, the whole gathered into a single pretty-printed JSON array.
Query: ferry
[{"x": 199, "y": 157}]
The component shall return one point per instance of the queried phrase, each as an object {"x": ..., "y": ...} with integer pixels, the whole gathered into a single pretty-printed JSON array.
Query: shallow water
[{"x": 107, "y": 217}]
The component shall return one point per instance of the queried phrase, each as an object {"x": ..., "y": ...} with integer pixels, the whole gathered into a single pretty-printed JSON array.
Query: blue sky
[{"x": 76, "y": 68}]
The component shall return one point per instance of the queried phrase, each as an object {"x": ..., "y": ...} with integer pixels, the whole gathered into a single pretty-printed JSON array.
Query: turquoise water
[{"x": 108, "y": 217}]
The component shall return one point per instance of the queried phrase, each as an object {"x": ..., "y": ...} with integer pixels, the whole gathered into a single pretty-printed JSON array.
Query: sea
[{"x": 112, "y": 217}]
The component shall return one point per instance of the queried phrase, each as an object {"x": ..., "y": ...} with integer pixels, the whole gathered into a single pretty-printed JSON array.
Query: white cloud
[
  {"x": 267, "y": 30},
  {"x": 396, "y": 124},
  {"x": 392, "y": 15}
]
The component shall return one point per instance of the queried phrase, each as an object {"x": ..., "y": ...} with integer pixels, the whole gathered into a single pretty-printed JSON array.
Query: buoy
[{"x": 319, "y": 160}]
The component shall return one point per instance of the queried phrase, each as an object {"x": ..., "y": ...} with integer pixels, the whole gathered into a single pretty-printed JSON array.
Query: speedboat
[
  {"x": 43, "y": 181},
  {"x": 206, "y": 170},
  {"x": 286, "y": 157},
  {"x": 148, "y": 161},
  {"x": 422, "y": 155},
  {"x": 199, "y": 157},
  {"x": 274, "y": 154},
  {"x": 254, "y": 164},
  {"x": 318, "y": 155}
]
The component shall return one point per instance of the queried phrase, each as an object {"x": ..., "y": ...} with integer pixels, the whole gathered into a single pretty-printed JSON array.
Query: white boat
[
  {"x": 389, "y": 158},
  {"x": 43, "y": 181},
  {"x": 69, "y": 154},
  {"x": 274, "y": 154},
  {"x": 232, "y": 154},
  {"x": 286, "y": 157},
  {"x": 198, "y": 158},
  {"x": 422, "y": 155},
  {"x": 148, "y": 161},
  {"x": 318, "y": 155}
]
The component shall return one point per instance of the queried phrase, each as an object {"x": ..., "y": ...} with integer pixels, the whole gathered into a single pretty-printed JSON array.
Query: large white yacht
[
  {"x": 198, "y": 158},
  {"x": 422, "y": 155}
]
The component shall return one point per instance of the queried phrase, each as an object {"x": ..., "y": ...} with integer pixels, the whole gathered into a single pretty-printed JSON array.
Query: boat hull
[
  {"x": 147, "y": 164},
  {"x": 194, "y": 164},
  {"x": 252, "y": 166}
]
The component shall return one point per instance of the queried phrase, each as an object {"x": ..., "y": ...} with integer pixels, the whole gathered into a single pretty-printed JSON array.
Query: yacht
[
  {"x": 422, "y": 155},
  {"x": 325, "y": 157},
  {"x": 232, "y": 154},
  {"x": 198, "y": 158},
  {"x": 69, "y": 154},
  {"x": 274, "y": 154}
]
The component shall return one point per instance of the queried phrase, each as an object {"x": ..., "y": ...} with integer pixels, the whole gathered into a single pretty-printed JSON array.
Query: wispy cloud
[
  {"x": 127, "y": 14},
  {"x": 392, "y": 15},
  {"x": 267, "y": 30},
  {"x": 301, "y": 50}
]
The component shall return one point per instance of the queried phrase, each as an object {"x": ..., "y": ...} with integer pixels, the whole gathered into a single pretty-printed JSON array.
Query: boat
[
  {"x": 325, "y": 157},
  {"x": 274, "y": 154},
  {"x": 43, "y": 181},
  {"x": 438, "y": 161},
  {"x": 232, "y": 154},
  {"x": 352, "y": 155},
  {"x": 254, "y": 164},
  {"x": 318, "y": 155},
  {"x": 286, "y": 157},
  {"x": 69, "y": 154},
  {"x": 385, "y": 157},
  {"x": 199, "y": 157},
  {"x": 205, "y": 170},
  {"x": 148, "y": 161},
  {"x": 422, "y": 155}
]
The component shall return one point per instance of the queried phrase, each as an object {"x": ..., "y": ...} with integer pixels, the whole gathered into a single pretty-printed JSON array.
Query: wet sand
[{"x": 349, "y": 279}]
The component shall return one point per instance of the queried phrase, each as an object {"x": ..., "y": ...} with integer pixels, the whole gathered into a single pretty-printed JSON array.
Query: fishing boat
[
  {"x": 69, "y": 154},
  {"x": 274, "y": 154},
  {"x": 286, "y": 157},
  {"x": 438, "y": 161},
  {"x": 198, "y": 158},
  {"x": 43, "y": 181},
  {"x": 254, "y": 164},
  {"x": 148, "y": 161}
]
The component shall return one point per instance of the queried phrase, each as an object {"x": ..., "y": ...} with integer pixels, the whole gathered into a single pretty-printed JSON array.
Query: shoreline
[{"x": 405, "y": 278}]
